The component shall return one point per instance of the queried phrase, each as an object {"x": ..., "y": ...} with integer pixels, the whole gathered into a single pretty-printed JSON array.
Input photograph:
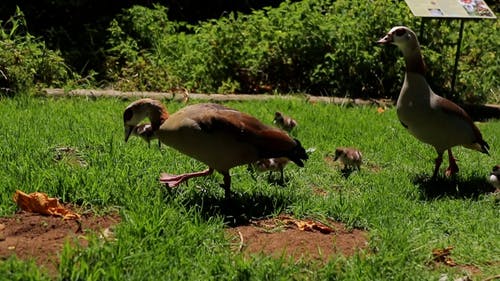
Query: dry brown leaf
[
  {"x": 310, "y": 225},
  {"x": 305, "y": 225},
  {"x": 442, "y": 255},
  {"x": 323, "y": 228},
  {"x": 38, "y": 202}
]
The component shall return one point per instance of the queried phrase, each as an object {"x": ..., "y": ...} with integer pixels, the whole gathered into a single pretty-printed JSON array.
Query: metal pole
[
  {"x": 457, "y": 56},
  {"x": 421, "y": 36}
]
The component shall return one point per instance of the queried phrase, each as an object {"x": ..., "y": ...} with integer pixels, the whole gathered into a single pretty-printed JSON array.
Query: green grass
[{"x": 180, "y": 235}]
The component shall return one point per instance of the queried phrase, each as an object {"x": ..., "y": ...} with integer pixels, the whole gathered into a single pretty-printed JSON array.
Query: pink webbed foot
[
  {"x": 171, "y": 180},
  {"x": 175, "y": 180}
]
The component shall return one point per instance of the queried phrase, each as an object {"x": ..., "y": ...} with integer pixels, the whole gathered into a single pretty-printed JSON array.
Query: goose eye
[{"x": 400, "y": 32}]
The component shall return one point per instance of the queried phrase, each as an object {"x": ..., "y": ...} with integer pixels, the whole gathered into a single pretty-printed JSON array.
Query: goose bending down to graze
[
  {"x": 218, "y": 136},
  {"x": 430, "y": 118}
]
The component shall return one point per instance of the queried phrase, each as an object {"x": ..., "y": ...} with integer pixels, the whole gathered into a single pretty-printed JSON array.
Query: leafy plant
[
  {"x": 25, "y": 61},
  {"x": 320, "y": 47}
]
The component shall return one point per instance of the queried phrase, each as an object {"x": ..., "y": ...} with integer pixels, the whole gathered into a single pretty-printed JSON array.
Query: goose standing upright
[
  {"x": 218, "y": 136},
  {"x": 430, "y": 118}
]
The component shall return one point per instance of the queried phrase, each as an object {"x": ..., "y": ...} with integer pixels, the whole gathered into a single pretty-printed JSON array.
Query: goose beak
[
  {"x": 128, "y": 131},
  {"x": 385, "y": 40}
]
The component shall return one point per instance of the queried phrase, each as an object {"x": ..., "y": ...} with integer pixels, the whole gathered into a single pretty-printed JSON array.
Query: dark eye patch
[{"x": 400, "y": 32}]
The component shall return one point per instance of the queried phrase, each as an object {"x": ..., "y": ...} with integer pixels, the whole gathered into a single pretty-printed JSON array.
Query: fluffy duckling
[
  {"x": 495, "y": 177},
  {"x": 145, "y": 131},
  {"x": 350, "y": 157},
  {"x": 286, "y": 123},
  {"x": 430, "y": 118},
  {"x": 271, "y": 165},
  {"x": 218, "y": 136}
]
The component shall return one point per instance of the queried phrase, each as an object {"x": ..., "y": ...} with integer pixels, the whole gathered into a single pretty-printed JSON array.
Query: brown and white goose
[
  {"x": 218, "y": 136},
  {"x": 430, "y": 118}
]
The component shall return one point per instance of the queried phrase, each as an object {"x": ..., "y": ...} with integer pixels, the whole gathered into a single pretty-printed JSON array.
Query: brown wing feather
[
  {"x": 270, "y": 142},
  {"x": 451, "y": 108}
]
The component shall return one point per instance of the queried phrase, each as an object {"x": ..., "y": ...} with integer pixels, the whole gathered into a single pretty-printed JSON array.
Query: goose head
[
  {"x": 141, "y": 109},
  {"x": 406, "y": 40},
  {"x": 401, "y": 36}
]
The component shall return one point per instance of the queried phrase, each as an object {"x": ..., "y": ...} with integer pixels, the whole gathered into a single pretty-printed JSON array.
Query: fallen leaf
[
  {"x": 305, "y": 225},
  {"x": 442, "y": 255},
  {"x": 38, "y": 202},
  {"x": 309, "y": 225},
  {"x": 323, "y": 228}
]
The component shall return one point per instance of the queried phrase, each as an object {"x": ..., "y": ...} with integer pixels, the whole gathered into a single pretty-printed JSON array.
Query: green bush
[
  {"x": 321, "y": 47},
  {"x": 25, "y": 61}
]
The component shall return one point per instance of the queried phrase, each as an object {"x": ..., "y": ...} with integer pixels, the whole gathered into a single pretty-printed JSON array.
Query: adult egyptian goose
[
  {"x": 495, "y": 177},
  {"x": 430, "y": 118},
  {"x": 350, "y": 157},
  {"x": 286, "y": 123},
  {"x": 218, "y": 136}
]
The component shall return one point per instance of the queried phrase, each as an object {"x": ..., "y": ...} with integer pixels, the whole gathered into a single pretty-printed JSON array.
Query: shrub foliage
[
  {"x": 25, "y": 61},
  {"x": 320, "y": 47}
]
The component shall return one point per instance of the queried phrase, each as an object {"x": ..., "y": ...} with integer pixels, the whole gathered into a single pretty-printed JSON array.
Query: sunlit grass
[{"x": 179, "y": 234}]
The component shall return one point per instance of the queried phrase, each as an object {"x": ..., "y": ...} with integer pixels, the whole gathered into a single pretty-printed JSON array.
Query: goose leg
[
  {"x": 175, "y": 180},
  {"x": 282, "y": 176},
  {"x": 439, "y": 160},
  {"x": 226, "y": 185},
  {"x": 453, "y": 168}
]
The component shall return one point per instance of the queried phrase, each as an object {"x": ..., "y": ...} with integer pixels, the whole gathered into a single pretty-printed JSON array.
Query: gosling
[
  {"x": 495, "y": 177},
  {"x": 284, "y": 122},
  {"x": 350, "y": 157}
]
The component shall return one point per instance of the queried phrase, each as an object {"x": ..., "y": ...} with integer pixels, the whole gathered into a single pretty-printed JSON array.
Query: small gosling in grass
[
  {"x": 145, "y": 131},
  {"x": 350, "y": 157},
  {"x": 495, "y": 176},
  {"x": 271, "y": 165},
  {"x": 286, "y": 123}
]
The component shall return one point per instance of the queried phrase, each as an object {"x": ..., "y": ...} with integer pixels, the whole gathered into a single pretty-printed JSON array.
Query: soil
[
  {"x": 41, "y": 238},
  {"x": 277, "y": 237}
]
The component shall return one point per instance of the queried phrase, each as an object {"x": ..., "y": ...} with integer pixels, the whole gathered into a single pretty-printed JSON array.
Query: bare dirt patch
[
  {"x": 277, "y": 237},
  {"x": 41, "y": 238}
]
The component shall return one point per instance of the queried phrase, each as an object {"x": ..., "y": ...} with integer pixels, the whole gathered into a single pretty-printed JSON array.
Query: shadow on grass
[
  {"x": 346, "y": 172},
  {"x": 452, "y": 187},
  {"x": 240, "y": 209}
]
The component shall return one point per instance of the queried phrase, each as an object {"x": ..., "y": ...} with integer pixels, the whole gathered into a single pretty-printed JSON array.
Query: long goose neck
[
  {"x": 414, "y": 60},
  {"x": 157, "y": 115}
]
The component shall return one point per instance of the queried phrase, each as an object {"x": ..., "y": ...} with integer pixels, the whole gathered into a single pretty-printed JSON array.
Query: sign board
[{"x": 459, "y": 9}]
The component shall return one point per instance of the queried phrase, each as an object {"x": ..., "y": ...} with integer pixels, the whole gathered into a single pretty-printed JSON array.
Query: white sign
[{"x": 460, "y": 9}]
